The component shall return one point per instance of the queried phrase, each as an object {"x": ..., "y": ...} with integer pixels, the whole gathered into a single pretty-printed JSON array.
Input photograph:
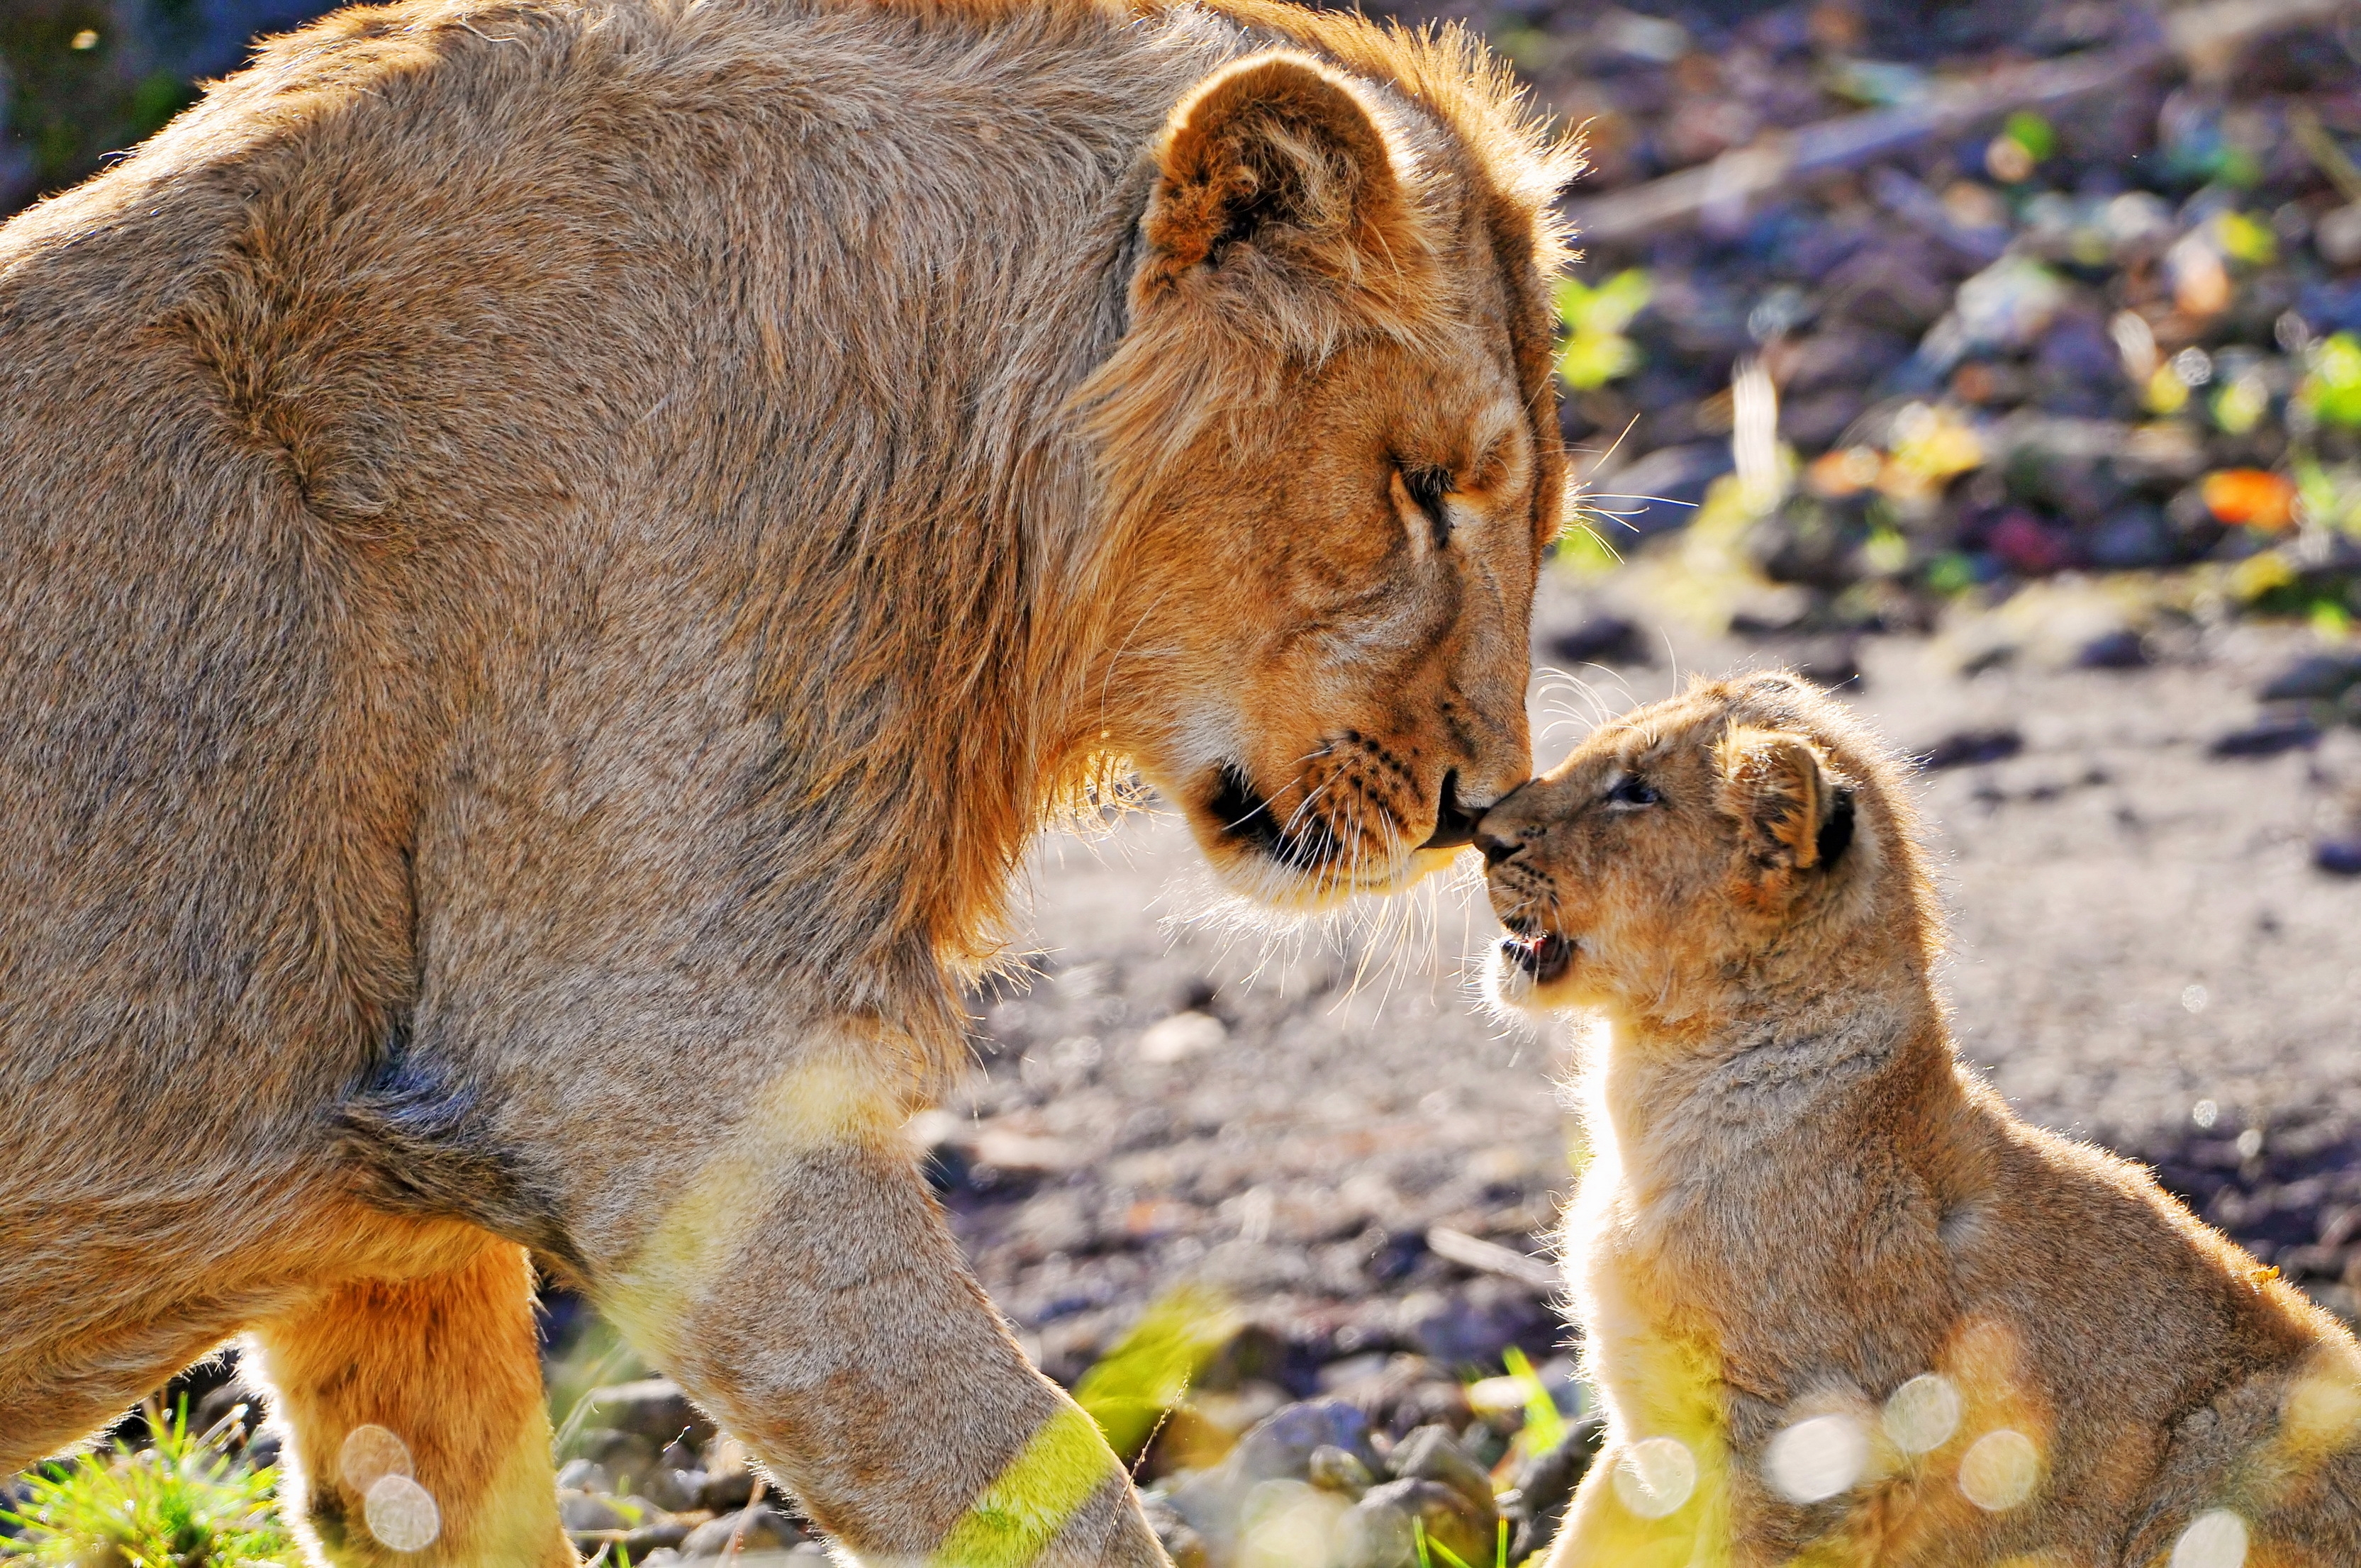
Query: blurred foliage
[
  {"x": 2332, "y": 389},
  {"x": 183, "y": 1501},
  {"x": 2030, "y": 131},
  {"x": 1147, "y": 1373},
  {"x": 1595, "y": 351},
  {"x": 80, "y": 79}
]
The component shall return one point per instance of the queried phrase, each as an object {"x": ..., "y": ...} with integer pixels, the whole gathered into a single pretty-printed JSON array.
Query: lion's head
[{"x": 1330, "y": 443}]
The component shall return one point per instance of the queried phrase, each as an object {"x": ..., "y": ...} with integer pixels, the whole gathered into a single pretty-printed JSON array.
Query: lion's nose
[
  {"x": 1453, "y": 824},
  {"x": 1496, "y": 848}
]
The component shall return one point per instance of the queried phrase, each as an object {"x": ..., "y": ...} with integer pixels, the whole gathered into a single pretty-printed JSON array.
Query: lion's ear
[
  {"x": 1275, "y": 165},
  {"x": 1794, "y": 811}
]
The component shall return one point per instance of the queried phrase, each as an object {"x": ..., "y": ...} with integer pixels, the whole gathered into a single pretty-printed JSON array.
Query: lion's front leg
[{"x": 803, "y": 1285}]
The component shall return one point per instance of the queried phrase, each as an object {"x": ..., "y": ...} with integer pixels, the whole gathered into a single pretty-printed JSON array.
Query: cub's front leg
[{"x": 1654, "y": 1516}]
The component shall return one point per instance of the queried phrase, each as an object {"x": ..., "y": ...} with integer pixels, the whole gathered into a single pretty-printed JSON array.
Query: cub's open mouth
[
  {"x": 1546, "y": 957},
  {"x": 1245, "y": 814}
]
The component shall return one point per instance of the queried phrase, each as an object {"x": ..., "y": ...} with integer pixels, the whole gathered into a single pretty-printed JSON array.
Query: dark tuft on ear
[
  {"x": 1279, "y": 160},
  {"x": 1836, "y": 833},
  {"x": 1795, "y": 813}
]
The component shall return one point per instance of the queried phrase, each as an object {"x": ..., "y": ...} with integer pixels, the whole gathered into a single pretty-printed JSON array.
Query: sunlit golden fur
[
  {"x": 553, "y": 553},
  {"x": 1799, "y": 1200}
]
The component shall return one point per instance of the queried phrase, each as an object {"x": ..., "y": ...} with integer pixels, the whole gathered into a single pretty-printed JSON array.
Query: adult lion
[{"x": 553, "y": 553}]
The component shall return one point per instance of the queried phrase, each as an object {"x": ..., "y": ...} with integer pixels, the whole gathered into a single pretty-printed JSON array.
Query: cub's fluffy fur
[
  {"x": 552, "y": 554},
  {"x": 1842, "y": 1306}
]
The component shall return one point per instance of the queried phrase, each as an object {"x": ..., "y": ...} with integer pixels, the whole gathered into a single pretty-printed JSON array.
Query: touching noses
[
  {"x": 1494, "y": 835},
  {"x": 1453, "y": 824},
  {"x": 1496, "y": 848}
]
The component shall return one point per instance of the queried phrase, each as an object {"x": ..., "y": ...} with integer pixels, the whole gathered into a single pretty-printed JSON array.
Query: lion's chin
[
  {"x": 1301, "y": 887},
  {"x": 1257, "y": 855}
]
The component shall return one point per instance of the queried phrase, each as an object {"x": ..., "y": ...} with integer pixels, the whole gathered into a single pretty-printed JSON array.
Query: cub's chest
[{"x": 1655, "y": 1346}]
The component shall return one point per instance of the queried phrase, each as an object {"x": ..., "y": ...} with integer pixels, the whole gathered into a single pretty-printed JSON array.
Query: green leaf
[
  {"x": 1591, "y": 359},
  {"x": 2031, "y": 132},
  {"x": 1150, "y": 1371},
  {"x": 1545, "y": 1426},
  {"x": 1608, "y": 308}
]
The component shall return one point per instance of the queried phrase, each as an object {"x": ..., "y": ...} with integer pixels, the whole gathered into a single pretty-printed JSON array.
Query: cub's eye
[
  {"x": 1630, "y": 792},
  {"x": 1428, "y": 488}
]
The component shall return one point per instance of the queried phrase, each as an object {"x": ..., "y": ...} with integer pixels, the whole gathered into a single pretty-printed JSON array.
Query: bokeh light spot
[
  {"x": 1656, "y": 1476},
  {"x": 1922, "y": 1414},
  {"x": 1287, "y": 1523},
  {"x": 1998, "y": 1472},
  {"x": 1817, "y": 1458},
  {"x": 2214, "y": 1539},
  {"x": 2323, "y": 1406},
  {"x": 402, "y": 1514},
  {"x": 369, "y": 1454}
]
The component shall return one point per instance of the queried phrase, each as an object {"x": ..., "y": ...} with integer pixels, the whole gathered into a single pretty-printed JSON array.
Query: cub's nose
[
  {"x": 1495, "y": 831},
  {"x": 1453, "y": 824}
]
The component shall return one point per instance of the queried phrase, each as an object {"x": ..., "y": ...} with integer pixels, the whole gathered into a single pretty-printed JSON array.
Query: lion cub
[{"x": 1842, "y": 1306}]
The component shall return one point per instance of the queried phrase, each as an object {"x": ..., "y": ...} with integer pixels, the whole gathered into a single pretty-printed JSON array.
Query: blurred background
[{"x": 1997, "y": 363}]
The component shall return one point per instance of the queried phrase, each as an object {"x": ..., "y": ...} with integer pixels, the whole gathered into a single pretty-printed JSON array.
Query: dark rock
[
  {"x": 947, "y": 1169},
  {"x": 1968, "y": 748},
  {"x": 1432, "y": 1453},
  {"x": 2267, "y": 737},
  {"x": 728, "y": 1491},
  {"x": 2316, "y": 677},
  {"x": 1545, "y": 1487},
  {"x": 1283, "y": 1443},
  {"x": 2027, "y": 546},
  {"x": 760, "y": 1527},
  {"x": 1382, "y": 1530},
  {"x": 2120, "y": 650},
  {"x": 615, "y": 1452},
  {"x": 639, "y": 1542},
  {"x": 1808, "y": 543},
  {"x": 1257, "y": 1353},
  {"x": 1601, "y": 640},
  {"x": 2338, "y": 857},
  {"x": 1815, "y": 422},
  {"x": 1183, "y": 1544},
  {"x": 584, "y": 1475},
  {"x": 1891, "y": 287},
  {"x": 1473, "y": 1324},
  {"x": 655, "y": 1408},
  {"x": 1832, "y": 663},
  {"x": 675, "y": 1490},
  {"x": 1332, "y": 1469},
  {"x": 2130, "y": 539},
  {"x": 579, "y": 1511},
  {"x": 1408, "y": 1392}
]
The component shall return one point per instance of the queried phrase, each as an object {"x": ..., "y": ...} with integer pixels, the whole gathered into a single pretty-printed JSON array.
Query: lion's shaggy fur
[{"x": 553, "y": 552}]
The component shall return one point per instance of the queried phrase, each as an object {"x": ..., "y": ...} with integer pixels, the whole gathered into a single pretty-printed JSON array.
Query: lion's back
[{"x": 430, "y": 302}]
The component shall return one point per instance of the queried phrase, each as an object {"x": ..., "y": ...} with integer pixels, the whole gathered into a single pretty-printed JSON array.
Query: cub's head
[
  {"x": 1744, "y": 835},
  {"x": 1328, "y": 443}
]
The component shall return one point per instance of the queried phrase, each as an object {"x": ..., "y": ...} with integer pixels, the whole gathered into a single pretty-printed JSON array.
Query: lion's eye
[
  {"x": 1631, "y": 792},
  {"x": 1429, "y": 488}
]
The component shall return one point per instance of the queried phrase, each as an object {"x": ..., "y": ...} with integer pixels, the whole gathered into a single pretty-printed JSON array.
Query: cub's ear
[
  {"x": 1275, "y": 165},
  {"x": 1794, "y": 811}
]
